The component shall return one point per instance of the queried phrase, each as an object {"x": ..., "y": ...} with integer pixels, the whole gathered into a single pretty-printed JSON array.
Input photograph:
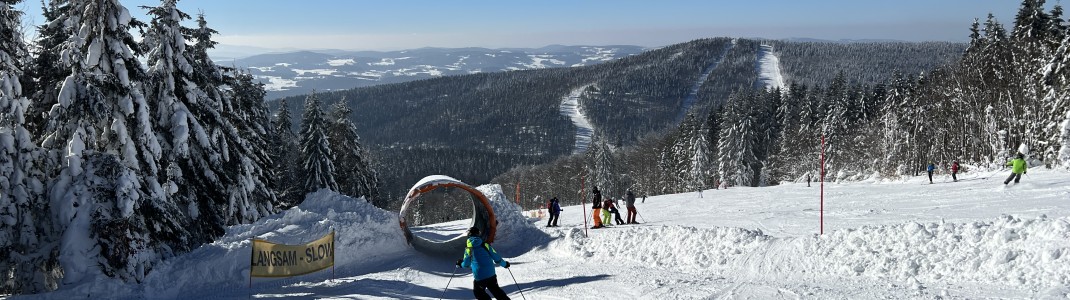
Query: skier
[
  {"x": 606, "y": 205},
  {"x": 930, "y": 169},
  {"x": 482, "y": 258},
  {"x": 630, "y": 202},
  {"x": 596, "y": 205},
  {"x": 1018, "y": 167},
  {"x": 954, "y": 171},
  {"x": 555, "y": 212},
  {"x": 615, "y": 212}
]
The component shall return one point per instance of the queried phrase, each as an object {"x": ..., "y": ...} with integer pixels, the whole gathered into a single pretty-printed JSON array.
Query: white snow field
[{"x": 905, "y": 239}]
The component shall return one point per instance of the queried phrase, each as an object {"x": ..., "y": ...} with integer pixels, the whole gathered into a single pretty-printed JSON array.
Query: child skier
[
  {"x": 482, "y": 258},
  {"x": 607, "y": 205},
  {"x": 616, "y": 213}
]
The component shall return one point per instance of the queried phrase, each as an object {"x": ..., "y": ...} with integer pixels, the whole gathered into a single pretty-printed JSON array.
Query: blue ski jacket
[
  {"x": 481, "y": 257},
  {"x": 931, "y": 168}
]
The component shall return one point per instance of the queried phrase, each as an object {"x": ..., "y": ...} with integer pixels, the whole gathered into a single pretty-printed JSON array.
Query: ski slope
[
  {"x": 570, "y": 108},
  {"x": 769, "y": 75},
  {"x": 904, "y": 239}
]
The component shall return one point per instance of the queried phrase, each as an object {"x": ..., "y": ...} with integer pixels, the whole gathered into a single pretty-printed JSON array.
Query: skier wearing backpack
[
  {"x": 1018, "y": 167},
  {"x": 482, "y": 258},
  {"x": 555, "y": 211}
]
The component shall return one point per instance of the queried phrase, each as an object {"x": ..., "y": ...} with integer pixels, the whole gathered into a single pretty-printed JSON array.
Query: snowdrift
[{"x": 1032, "y": 254}]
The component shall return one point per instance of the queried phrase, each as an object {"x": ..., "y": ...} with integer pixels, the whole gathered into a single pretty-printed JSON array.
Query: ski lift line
[
  {"x": 482, "y": 218},
  {"x": 702, "y": 79}
]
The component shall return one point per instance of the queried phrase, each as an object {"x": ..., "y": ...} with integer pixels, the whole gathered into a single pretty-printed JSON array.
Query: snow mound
[
  {"x": 1028, "y": 253},
  {"x": 513, "y": 227},
  {"x": 363, "y": 233}
]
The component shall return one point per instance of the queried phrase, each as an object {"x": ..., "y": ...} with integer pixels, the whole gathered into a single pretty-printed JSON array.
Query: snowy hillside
[
  {"x": 296, "y": 73},
  {"x": 971, "y": 239}
]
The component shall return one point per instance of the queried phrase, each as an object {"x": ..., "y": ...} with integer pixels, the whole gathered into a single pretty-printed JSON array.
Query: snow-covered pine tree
[
  {"x": 284, "y": 151},
  {"x": 318, "y": 160},
  {"x": 190, "y": 126},
  {"x": 23, "y": 225},
  {"x": 251, "y": 197},
  {"x": 101, "y": 126},
  {"x": 713, "y": 133},
  {"x": 700, "y": 161},
  {"x": 1064, "y": 153},
  {"x": 680, "y": 159},
  {"x": 736, "y": 144},
  {"x": 355, "y": 173},
  {"x": 601, "y": 168},
  {"x": 47, "y": 75},
  {"x": 242, "y": 132}
]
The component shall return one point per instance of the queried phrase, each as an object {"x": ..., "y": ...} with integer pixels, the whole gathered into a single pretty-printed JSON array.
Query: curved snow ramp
[{"x": 482, "y": 218}]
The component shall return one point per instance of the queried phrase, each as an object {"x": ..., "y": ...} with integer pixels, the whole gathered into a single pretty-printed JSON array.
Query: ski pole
[
  {"x": 640, "y": 216},
  {"x": 517, "y": 284},
  {"x": 448, "y": 282}
]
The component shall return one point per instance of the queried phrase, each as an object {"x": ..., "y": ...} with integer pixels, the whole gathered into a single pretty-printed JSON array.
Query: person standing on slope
[
  {"x": 1018, "y": 167},
  {"x": 596, "y": 206},
  {"x": 555, "y": 212},
  {"x": 607, "y": 210},
  {"x": 954, "y": 171},
  {"x": 482, "y": 258},
  {"x": 629, "y": 201},
  {"x": 930, "y": 169},
  {"x": 616, "y": 213}
]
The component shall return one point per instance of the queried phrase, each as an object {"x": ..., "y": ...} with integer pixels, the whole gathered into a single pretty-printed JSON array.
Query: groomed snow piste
[{"x": 971, "y": 239}]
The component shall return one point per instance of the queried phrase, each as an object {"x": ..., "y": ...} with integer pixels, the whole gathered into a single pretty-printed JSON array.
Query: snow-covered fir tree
[
  {"x": 700, "y": 161},
  {"x": 190, "y": 127},
  {"x": 24, "y": 226},
  {"x": 354, "y": 171},
  {"x": 1064, "y": 153},
  {"x": 318, "y": 160},
  {"x": 283, "y": 148},
  {"x": 101, "y": 126},
  {"x": 251, "y": 196},
  {"x": 601, "y": 168}
]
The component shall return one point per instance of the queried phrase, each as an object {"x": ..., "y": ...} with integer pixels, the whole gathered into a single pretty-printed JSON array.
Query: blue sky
[{"x": 403, "y": 24}]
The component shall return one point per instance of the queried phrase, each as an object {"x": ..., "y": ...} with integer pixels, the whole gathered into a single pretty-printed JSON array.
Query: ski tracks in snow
[{"x": 570, "y": 107}]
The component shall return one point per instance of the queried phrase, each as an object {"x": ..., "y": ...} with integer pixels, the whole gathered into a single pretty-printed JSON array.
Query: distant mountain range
[{"x": 300, "y": 72}]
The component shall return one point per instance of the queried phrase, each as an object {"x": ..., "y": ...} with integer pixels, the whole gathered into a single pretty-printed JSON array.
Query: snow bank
[
  {"x": 514, "y": 229},
  {"x": 1029, "y": 253},
  {"x": 364, "y": 234}
]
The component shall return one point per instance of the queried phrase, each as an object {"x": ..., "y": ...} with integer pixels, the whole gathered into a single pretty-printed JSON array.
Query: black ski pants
[
  {"x": 1014, "y": 176},
  {"x": 930, "y": 176},
  {"x": 553, "y": 219},
  {"x": 479, "y": 288}
]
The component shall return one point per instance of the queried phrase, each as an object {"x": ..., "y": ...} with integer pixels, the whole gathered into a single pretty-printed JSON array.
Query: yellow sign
[{"x": 278, "y": 260}]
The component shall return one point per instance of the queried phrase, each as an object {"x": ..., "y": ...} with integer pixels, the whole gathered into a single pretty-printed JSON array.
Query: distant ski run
[
  {"x": 769, "y": 74},
  {"x": 570, "y": 107},
  {"x": 693, "y": 95}
]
